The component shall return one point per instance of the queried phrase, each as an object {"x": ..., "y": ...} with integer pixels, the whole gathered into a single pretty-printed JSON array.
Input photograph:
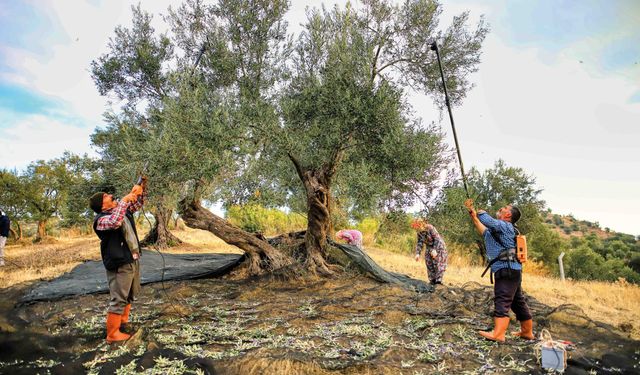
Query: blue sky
[{"x": 557, "y": 93}]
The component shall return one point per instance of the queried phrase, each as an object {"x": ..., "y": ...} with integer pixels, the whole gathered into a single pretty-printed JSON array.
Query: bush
[
  {"x": 557, "y": 220},
  {"x": 395, "y": 232},
  {"x": 634, "y": 263},
  {"x": 584, "y": 264},
  {"x": 369, "y": 227},
  {"x": 613, "y": 269},
  {"x": 269, "y": 221}
]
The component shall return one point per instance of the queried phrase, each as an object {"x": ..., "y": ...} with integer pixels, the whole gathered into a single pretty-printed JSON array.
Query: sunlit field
[{"x": 613, "y": 303}]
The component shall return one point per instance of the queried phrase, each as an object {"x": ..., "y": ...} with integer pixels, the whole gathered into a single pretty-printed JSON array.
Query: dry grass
[
  {"x": 614, "y": 303},
  {"x": 46, "y": 260},
  {"x": 200, "y": 241}
]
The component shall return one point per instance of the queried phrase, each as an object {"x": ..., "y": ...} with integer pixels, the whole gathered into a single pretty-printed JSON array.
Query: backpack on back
[{"x": 521, "y": 247}]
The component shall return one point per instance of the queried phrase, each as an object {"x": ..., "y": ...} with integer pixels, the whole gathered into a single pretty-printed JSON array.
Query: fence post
[{"x": 561, "y": 266}]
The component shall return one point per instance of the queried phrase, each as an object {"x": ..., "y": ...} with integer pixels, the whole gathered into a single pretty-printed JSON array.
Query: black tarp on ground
[
  {"x": 90, "y": 277},
  {"x": 368, "y": 265}
]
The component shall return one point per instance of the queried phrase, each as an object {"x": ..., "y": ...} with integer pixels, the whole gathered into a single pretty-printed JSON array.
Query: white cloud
[
  {"x": 63, "y": 70},
  {"x": 35, "y": 137}
]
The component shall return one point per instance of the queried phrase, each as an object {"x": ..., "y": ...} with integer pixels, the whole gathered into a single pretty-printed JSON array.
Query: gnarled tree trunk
[
  {"x": 261, "y": 255},
  {"x": 317, "y": 185},
  {"x": 318, "y": 220},
  {"x": 159, "y": 235}
]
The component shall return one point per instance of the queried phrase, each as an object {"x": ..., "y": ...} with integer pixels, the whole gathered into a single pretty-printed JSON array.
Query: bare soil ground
[{"x": 348, "y": 324}]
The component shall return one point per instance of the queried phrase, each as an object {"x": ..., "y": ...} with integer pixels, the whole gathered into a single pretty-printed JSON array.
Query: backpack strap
[{"x": 507, "y": 255}]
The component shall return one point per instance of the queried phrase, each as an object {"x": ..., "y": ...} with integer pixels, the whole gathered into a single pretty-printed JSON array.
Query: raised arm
[
  {"x": 137, "y": 195},
  {"x": 480, "y": 227},
  {"x": 494, "y": 224}
]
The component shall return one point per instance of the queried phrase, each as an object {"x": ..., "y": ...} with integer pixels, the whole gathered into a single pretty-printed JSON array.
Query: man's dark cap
[{"x": 95, "y": 202}]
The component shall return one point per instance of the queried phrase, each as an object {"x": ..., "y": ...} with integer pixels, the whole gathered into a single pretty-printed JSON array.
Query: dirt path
[{"x": 346, "y": 325}]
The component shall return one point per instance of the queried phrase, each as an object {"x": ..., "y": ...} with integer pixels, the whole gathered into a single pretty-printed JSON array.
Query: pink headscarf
[{"x": 352, "y": 236}]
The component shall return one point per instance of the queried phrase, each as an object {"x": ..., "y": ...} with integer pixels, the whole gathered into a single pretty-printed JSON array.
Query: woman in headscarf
[
  {"x": 435, "y": 255},
  {"x": 352, "y": 236}
]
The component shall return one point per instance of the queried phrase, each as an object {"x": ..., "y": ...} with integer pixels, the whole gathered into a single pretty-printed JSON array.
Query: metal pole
[
  {"x": 434, "y": 47},
  {"x": 561, "y": 266}
]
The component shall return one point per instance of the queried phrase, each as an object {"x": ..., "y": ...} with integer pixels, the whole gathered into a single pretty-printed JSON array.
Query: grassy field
[{"x": 613, "y": 303}]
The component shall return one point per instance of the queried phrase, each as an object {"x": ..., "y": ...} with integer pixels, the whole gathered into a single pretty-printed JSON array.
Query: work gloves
[{"x": 136, "y": 191}]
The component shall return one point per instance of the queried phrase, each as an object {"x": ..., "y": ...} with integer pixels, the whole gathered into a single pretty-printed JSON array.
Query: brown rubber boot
[
  {"x": 113, "y": 328},
  {"x": 526, "y": 330},
  {"x": 500, "y": 327}
]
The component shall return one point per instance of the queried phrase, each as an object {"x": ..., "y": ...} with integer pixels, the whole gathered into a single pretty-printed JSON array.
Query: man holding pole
[
  {"x": 499, "y": 237},
  {"x": 120, "y": 251}
]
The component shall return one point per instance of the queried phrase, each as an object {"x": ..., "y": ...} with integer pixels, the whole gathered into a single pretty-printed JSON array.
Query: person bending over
[{"x": 352, "y": 236}]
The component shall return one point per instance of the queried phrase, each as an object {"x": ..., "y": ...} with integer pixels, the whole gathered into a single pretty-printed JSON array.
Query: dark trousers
[{"x": 508, "y": 295}]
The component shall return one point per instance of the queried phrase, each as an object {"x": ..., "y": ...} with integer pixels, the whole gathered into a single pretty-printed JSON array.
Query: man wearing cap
[
  {"x": 120, "y": 251},
  {"x": 4, "y": 234},
  {"x": 499, "y": 237}
]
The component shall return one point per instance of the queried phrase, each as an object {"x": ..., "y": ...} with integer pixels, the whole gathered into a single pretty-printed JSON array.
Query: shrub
[
  {"x": 369, "y": 227},
  {"x": 584, "y": 263},
  {"x": 269, "y": 221}
]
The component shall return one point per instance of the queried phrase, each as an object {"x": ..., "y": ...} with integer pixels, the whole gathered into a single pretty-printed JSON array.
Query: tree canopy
[{"x": 314, "y": 122}]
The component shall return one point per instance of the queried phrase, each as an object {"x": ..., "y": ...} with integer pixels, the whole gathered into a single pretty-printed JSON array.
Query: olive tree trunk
[
  {"x": 261, "y": 255},
  {"x": 160, "y": 236}
]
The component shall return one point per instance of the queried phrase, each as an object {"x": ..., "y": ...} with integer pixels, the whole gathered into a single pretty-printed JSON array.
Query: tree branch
[
  {"x": 374, "y": 70},
  {"x": 391, "y": 63},
  {"x": 296, "y": 163}
]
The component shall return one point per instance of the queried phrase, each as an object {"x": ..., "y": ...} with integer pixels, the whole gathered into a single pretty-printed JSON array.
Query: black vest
[{"x": 113, "y": 246}]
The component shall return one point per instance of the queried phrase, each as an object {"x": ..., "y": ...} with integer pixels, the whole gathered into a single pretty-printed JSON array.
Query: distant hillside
[
  {"x": 597, "y": 253},
  {"x": 568, "y": 226}
]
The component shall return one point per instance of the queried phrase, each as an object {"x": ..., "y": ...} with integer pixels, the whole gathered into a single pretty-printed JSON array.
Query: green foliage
[
  {"x": 132, "y": 69},
  {"x": 47, "y": 188},
  {"x": 557, "y": 220},
  {"x": 86, "y": 180},
  {"x": 269, "y": 221},
  {"x": 369, "y": 226},
  {"x": 492, "y": 189},
  {"x": 545, "y": 244},
  {"x": 583, "y": 263},
  {"x": 13, "y": 195},
  {"x": 616, "y": 268},
  {"x": 332, "y": 99},
  {"x": 343, "y": 111},
  {"x": 395, "y": 232},
  {"x": 634, "y": 263}
]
